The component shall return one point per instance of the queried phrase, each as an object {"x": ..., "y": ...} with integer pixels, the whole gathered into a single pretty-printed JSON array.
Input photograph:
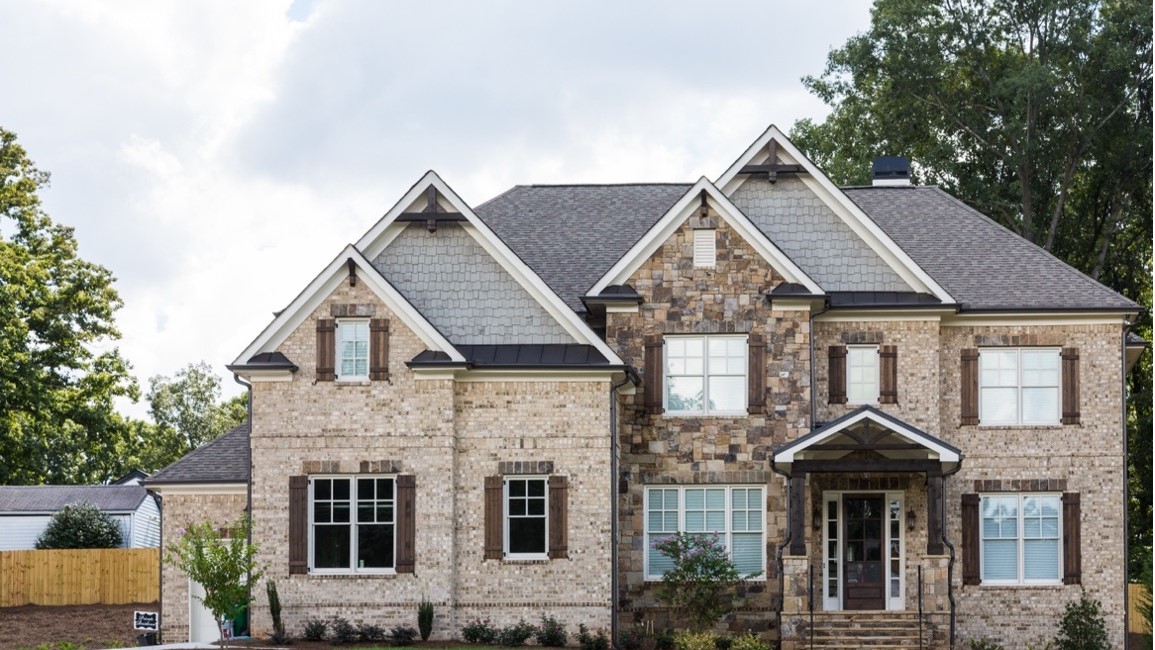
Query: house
[
  {"x": 887, "y": 407},
  {"x": 26, "y": 510}
]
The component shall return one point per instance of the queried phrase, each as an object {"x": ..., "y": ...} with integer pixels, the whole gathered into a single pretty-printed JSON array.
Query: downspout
[
  {"x": 249, "y": 490},
  {"x": 945, "y": 540},
  {"x": 783, "y": 545},
  {"x": 614, "y": 479},
  {"x": 1126, "y": 476},
  {"x": 813, "y": 388}
]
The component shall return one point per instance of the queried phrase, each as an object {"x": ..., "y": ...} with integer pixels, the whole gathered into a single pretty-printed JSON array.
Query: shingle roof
[
  {"x": 223, "y": 460},
  {"x": 572, "y": 234},
  {"x": 980, "y": 263},
  {"x": 50, "y": 498}
]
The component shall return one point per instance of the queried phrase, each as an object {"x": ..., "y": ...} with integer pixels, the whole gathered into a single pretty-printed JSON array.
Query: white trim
[
  {"x": 468, "y": 375},
  {"x": 877, "y": 374},
  {"x": 1018, "y": 387},
  {"x": 377, "y": 238},
  {"x": 337, "y": 353},
  {"x": 705, "y": 375},
  {"x": 323, "y": 285},
  {"x": 836, "y": 200},
  {"x": 268, "y": 376},
  {"x": 1022, "y": 581},
  {"x": 628, "y": 308},
  {"x": 728, "y": 488},
  {"x": 352, "y": 525},
  {"x": 199, "y": 488},
  {"x": 1027, "y": 319},
  {"x": 881, "y": 316},
  {"x": 505, "y": 552},
  {"x": 678, "y": 214},
  {"x": 944, "y": 454},
  {"x": 892, "y": 603}
]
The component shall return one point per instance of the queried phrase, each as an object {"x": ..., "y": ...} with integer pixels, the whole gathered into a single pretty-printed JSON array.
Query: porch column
[
  {"x": 797, "y": 514},
  {"x": 934, "y": 545}
]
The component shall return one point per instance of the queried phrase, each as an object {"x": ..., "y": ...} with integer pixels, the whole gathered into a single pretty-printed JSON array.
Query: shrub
[
  {"x": 983, "y": 644},
  {"x": 695, "y": 641},
  {"x": 80, "y": 525},
  {"x": 315, "y": 629},
  {"x": 512, "y": 636},
  {"x": 748, "y": 641},
  {"x": 479, "y": 631},
  {"x": 596, "y": 641},
  {"x": 1082, "y": 627},
  {"x": 702, "y": 578},
  {"x": 551, "y": 633},
  {"x": 664, "y": 641},
  {"x": 279, "y": 637},
  {"x": 343, "y": 630},
  {"x": 402, "y": 635},
  {"x": 633, "y": 638},
  {"x": 722, "y": 642},
  {"x": 425, "y": 619},
  {"x": 370, "y": 632}
]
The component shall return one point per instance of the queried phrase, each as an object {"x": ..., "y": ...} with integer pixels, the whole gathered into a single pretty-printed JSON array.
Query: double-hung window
[
  {"x": 706, "y": 374},
  {"x": 1021, "y": 535},
  {"x": 1019, "y": 386},
  {"x": 352, "y": 524},
  {"x": 526, "y": 519},
  {"x": 734, "y": 513},
  {"x": 353, "y": 349},
  {"x": 862, "y": 374}
]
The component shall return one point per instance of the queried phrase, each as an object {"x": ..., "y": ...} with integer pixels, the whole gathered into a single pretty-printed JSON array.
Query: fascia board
[
  {"x": 323, "y": 285},
  {"x": 1026, "y": 318},
  {"x": 945, "y": 455},
  {"x": 847, "y": 210},
  {"x": 375, "y": 240},
  {"x": 645, "y": 247}
]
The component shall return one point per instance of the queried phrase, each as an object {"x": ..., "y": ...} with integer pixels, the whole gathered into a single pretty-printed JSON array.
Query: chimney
[{"x": 891, "y": 170}]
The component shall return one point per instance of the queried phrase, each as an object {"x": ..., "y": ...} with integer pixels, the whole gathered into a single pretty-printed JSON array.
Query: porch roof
[{"x": 866, "y": 440}]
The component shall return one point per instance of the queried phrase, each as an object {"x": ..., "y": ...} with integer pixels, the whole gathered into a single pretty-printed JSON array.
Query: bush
[
  {"x": 702, "y": 579},
  {"x": 425, "y": 619},
  {"x": 80, "y": 525},
  {"x": 515, "y": 635},
  {"x": 722, "y": 642},
  {"x": 748, "y": 641},
  {"x": 343, "y": 630},
  {"x": 664, "y": 641},
  {"x": 695, "y": 641},
  {"x": 370, "y": 632},
  {"x": 633, "y": 638},
  {"x": 402, "y": 635},
  {"x": 479, "y": 631},
  {"x": 315, "y": 629},
  {"x": 597, "y": 641},
  {"x": 551, "y": 633},
  {"x": 1082, "y": 627},
  {"x": 279, "y": 637},
  {"x": 983, "y": 644}
]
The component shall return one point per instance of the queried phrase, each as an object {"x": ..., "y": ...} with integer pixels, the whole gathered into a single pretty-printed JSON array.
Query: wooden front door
[{"x": 863, "y": 566}]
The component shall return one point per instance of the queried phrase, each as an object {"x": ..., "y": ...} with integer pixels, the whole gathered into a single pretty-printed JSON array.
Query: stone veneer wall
[
  {"x": 450, "y": 436},
  {"x": 180, "y": 510},
  {"x": 665, "y": 449}
]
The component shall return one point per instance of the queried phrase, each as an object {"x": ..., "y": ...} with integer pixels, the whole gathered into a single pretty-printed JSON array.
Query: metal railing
[
  {"x": 920, "y": 646},
  {"x": 810, "y": 599}
]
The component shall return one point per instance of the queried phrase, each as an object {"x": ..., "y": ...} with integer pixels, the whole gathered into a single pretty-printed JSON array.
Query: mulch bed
[{"x": 90, "y": 626}]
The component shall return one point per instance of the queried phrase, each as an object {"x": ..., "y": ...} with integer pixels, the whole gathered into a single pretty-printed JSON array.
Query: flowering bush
[
  {"x": 701, "y": 580},
  {"x": 479, "y": 631},
  {"x": 695, "y": 641}
]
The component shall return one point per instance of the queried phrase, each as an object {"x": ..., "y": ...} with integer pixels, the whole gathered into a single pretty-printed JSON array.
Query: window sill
[
  {"x": 356, "y": 576},
  {"x": 1050, "y": 425},
  {"x": 1035, "y": 585},
  {"x": 734, "y": 415},
  {"x": 357, "y": 381}
]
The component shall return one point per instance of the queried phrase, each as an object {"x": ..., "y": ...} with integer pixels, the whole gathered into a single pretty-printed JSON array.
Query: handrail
[
  {"x": 810, "y": 598},
  {"x": 920, "y": 607}
]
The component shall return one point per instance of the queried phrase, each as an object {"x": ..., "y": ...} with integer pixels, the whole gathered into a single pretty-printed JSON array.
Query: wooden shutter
[
  {"x": 756, "y": 374},
  {"x": 298, "y": 525},
  {"x": 655, "y": 371},
  {"x": 493, "y": 510},
  {"x": 378, "y": 349},
  {"x": 326, "y": 349},
  {"x": 1072, "y": 538},
  {"x": 1070, "y": 385},
  {"x": 406, "y": 496},
  {"x": 969, "y": 398},
  {"x": 888, "y": 374},
  {"x": 837, "y": 367},
  {"x": 558, "y": 517},
  {"x": 970, "y": 540}
]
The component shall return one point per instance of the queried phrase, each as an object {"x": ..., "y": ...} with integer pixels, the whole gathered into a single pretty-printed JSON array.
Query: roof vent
[{"x": 891, "y": 170}]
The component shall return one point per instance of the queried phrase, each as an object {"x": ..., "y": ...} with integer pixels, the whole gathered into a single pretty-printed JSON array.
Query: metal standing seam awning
[{"x": 866, "y": 440}]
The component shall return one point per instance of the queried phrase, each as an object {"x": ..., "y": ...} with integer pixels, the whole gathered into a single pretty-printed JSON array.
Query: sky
[{"x": 216, "y": 155}]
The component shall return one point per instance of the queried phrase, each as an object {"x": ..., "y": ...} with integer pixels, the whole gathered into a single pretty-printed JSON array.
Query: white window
[
  {"x": 353, "y": 349},
  {"x": 351, "y": 524},
  {"x": 705, "y": 252},
  {"x": 734, "y": 513},
  {"x": 862, "y": 374},
  {"x": 705, "y": 374},
  {"x": 1020, "y": 539},
  {"x": 1019, "y": 386},
  {"x": 526, "y": 521}
]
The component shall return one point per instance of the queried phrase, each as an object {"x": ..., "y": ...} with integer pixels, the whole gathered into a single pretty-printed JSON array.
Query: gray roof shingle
[
  {"x": 223, "y": 460},
  {"x": 50, "y": 498}
]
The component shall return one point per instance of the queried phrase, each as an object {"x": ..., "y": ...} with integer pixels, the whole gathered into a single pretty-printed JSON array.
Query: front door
[{"x": 862, "y": 546}]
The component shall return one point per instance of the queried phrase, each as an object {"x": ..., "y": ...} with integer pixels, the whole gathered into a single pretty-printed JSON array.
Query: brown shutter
[
  {"x": 756, "y": 375},
  {"x": 970, "y": 540},
  {"x": 1070, "y": 385},
  {"x": 558, "y": 517},
  {"x": 888, "y": 374},
  {"x": 1072, "y": 538},
  {"x": 378, "y": 349},
  {"x": 969, "y": 409},
  {"x": 326, "y": 349},
  {"x": 655, "y": 371},
  {"x": 406, "y": 523},
  {"x": 493, "y": 510},
  {"x": 837, "y": 367},
  {"x": 298, "y": 525}
]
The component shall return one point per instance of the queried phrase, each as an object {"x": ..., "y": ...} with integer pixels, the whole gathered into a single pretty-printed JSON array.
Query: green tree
[
  {"x": 225, "y": 567},
  {"x": 59, "y": 373},
  {"x": 1036, "y": 112},
  {"x": 188, "y": 412},
  {"x": 701, "y": 582},
  {"x": 80, "y": 525}
]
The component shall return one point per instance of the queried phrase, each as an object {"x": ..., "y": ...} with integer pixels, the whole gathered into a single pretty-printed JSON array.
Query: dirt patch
[{"x": 90, "y": 626}]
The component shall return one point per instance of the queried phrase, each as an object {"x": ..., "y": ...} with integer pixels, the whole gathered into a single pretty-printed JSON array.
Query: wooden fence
[
  {"x": 108, "y": 576},
  {"x": 1135, "y": 622}
]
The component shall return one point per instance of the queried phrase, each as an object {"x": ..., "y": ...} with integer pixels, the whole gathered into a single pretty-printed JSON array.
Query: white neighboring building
[{"x": 26, "y": 510}]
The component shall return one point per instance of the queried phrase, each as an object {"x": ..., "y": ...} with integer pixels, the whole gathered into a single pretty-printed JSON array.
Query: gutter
[
  {"x": 782, "y": 547},
  {"x": 614, "y": 496},
  {"x": 249, "y": 491},
  {"x": 1126, "y": 483},
  {"x": 945, "y": 540}
]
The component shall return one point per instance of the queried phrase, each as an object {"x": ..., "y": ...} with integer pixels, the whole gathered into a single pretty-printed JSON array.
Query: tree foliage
[
  {"x": 1036, "y": 112},
  {"x": 59, "y": 373},
  {"x": 80, "y": 525},
  {"x": 701, "y": 582}
]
